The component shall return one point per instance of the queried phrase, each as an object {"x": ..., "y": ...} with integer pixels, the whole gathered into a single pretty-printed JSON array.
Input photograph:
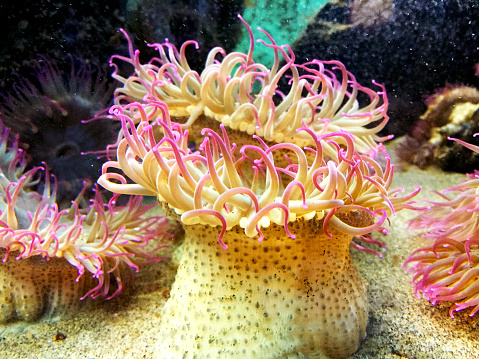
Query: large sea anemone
[
  {"x": 266, "y": 267},
  {"x": 51, "y": 111},
  {"x": 244, "y": 95},
  {"x": 51, "y": 257}
]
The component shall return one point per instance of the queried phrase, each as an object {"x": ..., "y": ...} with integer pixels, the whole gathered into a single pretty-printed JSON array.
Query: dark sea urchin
[{"x": 51, "y": 111}]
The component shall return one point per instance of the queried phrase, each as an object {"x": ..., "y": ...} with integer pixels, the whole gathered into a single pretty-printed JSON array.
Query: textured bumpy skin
[
  {"x": 33, "y": 287},
  {"x": 264, "y": 299}
]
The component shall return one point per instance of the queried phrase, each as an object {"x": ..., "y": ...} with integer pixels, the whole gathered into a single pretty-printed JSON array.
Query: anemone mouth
[
  {"x": 67, "y": 149},
  {"x": 71, "y": 153}
]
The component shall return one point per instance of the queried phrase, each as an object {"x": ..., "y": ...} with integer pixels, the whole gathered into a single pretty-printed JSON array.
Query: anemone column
[{"x": 261, "y": 300}]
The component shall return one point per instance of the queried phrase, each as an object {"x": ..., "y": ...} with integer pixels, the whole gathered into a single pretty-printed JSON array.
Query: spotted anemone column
[{"x": 264, "y": 299}]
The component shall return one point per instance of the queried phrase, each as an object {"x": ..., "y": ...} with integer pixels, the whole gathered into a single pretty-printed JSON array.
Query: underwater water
[{"x": 115, "y": 171}]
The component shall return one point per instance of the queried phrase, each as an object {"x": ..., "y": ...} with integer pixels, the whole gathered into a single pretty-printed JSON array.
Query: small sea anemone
[
  {"x": 281, "y": 279},
  {"x": 446, "y": 269},
  {"x": 452, "y": 112},
  {"x": 50, "y": 114},
  {"x": 46, "y": 251},
  {"x": 244, "y": 96}
]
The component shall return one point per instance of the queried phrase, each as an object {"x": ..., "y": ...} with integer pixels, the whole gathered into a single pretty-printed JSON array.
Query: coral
[
  {"x": 446, "y": 269},
  {"x": 266, "y": 267},
  {"x": 47, "y": 253},
  {"x": 51, "y": 115},
  {"x": 243, "y": 95}
]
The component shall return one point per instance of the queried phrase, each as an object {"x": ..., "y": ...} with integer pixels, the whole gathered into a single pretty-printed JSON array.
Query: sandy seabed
[{"x": 400, "y": 325}]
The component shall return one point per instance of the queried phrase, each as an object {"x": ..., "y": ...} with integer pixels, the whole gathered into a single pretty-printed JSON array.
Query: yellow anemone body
[{"x": 262, "y": 300}]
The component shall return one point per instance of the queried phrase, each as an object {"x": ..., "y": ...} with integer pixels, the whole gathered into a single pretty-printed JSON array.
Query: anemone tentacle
[
  {"x": 105, "y": 240},
  {"x": 446, "y": 269},
  {"x": 245, "y": 96},
  {"x": 190, "y": 181}
]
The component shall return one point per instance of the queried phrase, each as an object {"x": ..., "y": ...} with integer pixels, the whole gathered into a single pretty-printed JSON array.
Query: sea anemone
[
  {"x": 452, "y": 112},
  {"x": 47, "y": 252},
  {"x": 265, "y": 267},
  {"x": 244, "y": 96},
  {"x": 446, "y": 270},
  {"x": 50, "y": 114}
]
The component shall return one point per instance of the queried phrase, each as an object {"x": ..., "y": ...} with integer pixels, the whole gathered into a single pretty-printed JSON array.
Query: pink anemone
[{"x": 447, "y": 270}]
